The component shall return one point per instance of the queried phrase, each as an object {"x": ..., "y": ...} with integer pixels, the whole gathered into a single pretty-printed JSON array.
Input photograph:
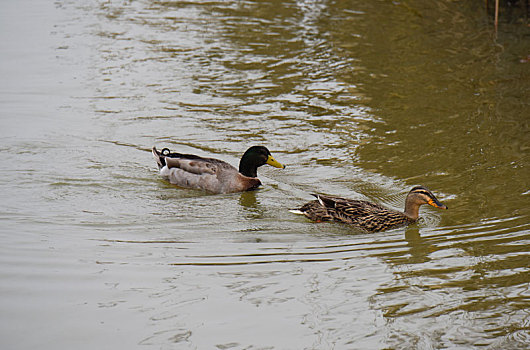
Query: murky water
[{"x": 359, "y": 98}]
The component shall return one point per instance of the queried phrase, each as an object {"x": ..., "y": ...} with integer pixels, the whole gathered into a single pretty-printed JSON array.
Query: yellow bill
[
  {"x": 274, "y": 163},
  {"x": 436, "y": 204}
]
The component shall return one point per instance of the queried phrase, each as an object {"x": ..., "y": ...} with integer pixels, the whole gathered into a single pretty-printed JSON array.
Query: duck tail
[
  {"x": 159, "y": 158},
  {"x": 297, "y": 211}
]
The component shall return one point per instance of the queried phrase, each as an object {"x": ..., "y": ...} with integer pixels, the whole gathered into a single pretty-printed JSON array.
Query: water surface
[{"x": 359, "y": 99}]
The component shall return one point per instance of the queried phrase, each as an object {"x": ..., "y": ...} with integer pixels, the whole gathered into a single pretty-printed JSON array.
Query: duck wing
[
  {"x": 197, "y": 166},
  {"x": 376, "y": 222},
  {"x": 350, "y": 207},
  {"x": 190, "y": 162}
]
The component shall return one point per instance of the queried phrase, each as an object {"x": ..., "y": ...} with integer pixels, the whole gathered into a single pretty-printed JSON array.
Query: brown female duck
[
  {"x": 213, "y": 175},
  {"x": 368, "y": 216}
]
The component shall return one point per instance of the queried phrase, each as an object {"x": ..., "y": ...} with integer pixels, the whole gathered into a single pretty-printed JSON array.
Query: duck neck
[
  {"x": 412, "y": 209},
  {"x": 248, "y": 168}
]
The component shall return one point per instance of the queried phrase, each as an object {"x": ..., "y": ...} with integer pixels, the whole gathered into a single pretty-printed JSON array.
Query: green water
[{"x": 359, "y": 99}]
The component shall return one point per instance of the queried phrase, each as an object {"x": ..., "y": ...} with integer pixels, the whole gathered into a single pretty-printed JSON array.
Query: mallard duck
[
  {"x": 214, "y": 175},
  {"x": 368, "y": 216}
]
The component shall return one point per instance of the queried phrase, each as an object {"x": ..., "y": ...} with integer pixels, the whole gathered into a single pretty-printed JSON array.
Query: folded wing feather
[{"x": 193, "y": 166}]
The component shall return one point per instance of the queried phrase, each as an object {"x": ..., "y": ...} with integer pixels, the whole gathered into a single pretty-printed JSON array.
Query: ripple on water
[{"x": 96, "y": 246}]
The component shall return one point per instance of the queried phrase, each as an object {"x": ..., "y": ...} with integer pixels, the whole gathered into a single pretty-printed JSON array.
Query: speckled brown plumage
[{"x": 366, "y": 215}]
